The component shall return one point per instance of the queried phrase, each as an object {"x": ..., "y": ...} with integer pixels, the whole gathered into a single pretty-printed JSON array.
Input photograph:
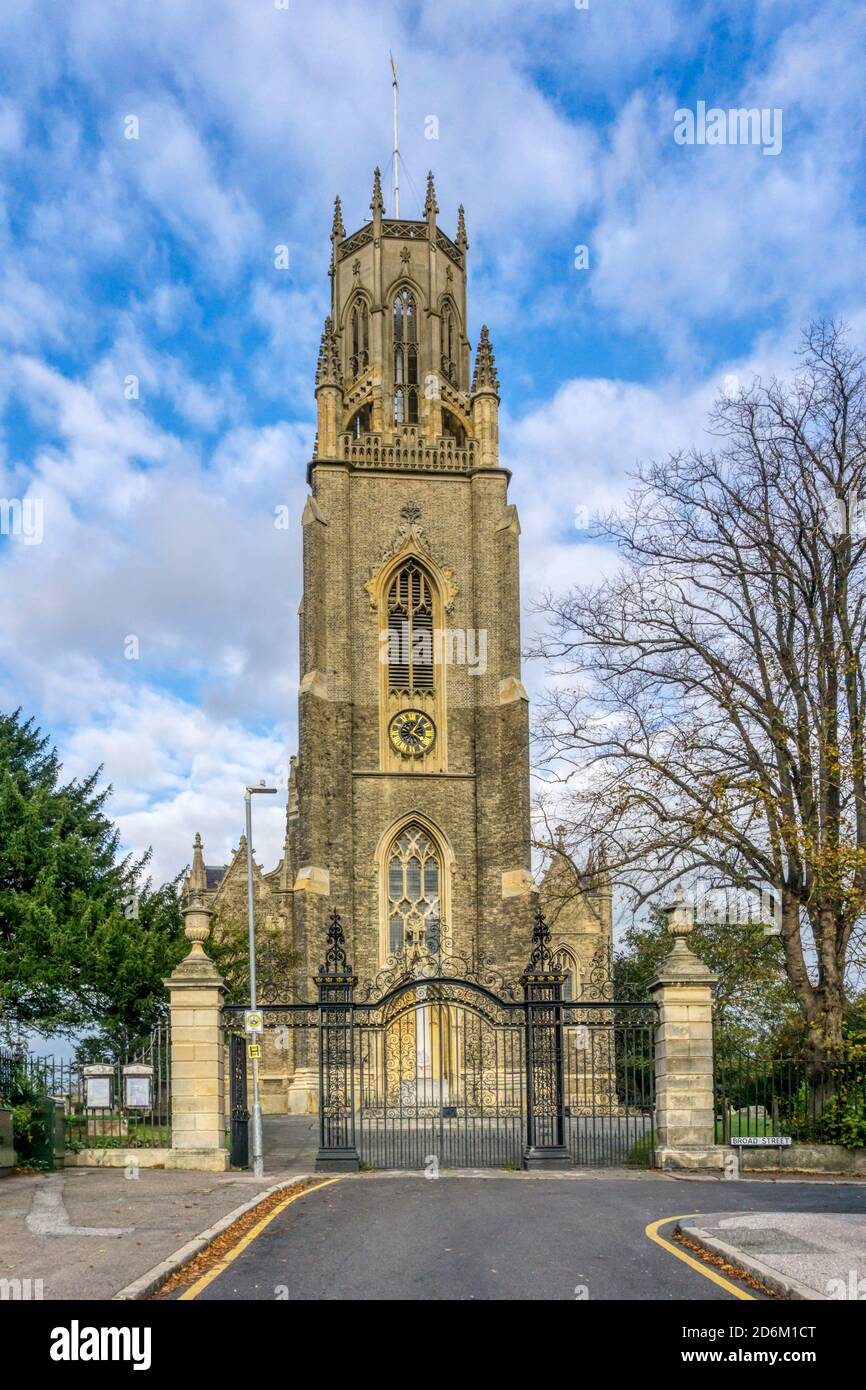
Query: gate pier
[
  {"x": 684, "y": 1047},
  {"x": 196, "y": 992}
]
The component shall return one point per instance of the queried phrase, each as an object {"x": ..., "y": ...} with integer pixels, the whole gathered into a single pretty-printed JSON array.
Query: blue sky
[{"x": 154, "y": 258}]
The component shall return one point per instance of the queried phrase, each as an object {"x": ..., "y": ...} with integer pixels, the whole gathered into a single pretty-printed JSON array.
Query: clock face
[{"x": 412, "y": 732}]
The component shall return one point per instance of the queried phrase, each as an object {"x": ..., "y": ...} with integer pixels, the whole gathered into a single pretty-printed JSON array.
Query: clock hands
[{"x": 413, "y": 731}]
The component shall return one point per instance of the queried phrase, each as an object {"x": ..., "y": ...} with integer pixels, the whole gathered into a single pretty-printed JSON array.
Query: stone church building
[{"x": 409, "y": 799}]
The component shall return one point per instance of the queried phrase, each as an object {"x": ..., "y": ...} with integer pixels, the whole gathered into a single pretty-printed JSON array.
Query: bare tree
[{"x": 709, "y": 711}]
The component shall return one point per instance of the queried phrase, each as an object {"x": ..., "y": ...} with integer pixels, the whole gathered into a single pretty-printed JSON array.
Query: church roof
[{"x": 575, "y": 899}]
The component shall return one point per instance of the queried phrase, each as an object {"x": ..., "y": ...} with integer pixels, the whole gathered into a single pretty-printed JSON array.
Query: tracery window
[
  {"x": 414, "y": 875},
  {"x": 410, "y": 631},
  {"x": 360, "y": 339},
  {"x": 405, "y": 359}
]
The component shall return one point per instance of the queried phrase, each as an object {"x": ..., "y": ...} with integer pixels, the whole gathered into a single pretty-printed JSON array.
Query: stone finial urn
[
  {"x": 196, "y": 922},
  {"x": 681, "y": 962},
  {"x": 680, "y": 914}
]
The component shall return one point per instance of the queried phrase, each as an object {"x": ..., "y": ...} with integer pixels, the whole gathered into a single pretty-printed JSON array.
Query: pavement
[
  {"x": 803, "y": 1254},
  {"x": 86, "y": 1233}
]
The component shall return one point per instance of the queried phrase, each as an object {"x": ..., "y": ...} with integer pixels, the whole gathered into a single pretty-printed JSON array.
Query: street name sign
[{"x": 763, "y": 1141}]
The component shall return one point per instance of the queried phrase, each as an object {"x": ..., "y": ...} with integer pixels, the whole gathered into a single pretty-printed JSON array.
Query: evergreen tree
[{"x": 84, "y": 939}]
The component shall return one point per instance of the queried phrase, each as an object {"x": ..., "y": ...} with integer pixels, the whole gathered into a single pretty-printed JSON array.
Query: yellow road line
[
  {"x": 195, "y": 1289},
  {"x": 652, "y": 1231}
]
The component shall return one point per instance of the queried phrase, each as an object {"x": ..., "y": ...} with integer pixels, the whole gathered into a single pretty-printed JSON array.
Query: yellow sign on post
[{"x": 254, "y": 1051}]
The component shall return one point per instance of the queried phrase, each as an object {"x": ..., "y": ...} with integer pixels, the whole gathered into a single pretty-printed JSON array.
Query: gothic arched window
[
  {"x": 565, "y": 961},
  {"x": 405, "y": 359},
  {"x": 410, "y": 631},
  {"x": 360, "y": 339},
  {"x": 361, "y": 422},
  {"x": 414, "y": 882}
]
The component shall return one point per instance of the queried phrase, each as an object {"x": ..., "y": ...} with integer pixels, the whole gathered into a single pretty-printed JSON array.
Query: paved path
[
  {"x": 497, "y": 1237},
  {"x": 88, "y": 1232},
  {"x": 805, "y": 1254}
]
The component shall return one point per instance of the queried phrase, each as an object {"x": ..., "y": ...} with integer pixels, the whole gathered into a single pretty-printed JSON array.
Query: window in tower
[
  {"x": 361, "y": 422},
  {"x": 410, "y": 631},
  {"x": 360, "y": 339},
  {"x": 414, "y": 873},
  {"x": 405, "y": 359}
]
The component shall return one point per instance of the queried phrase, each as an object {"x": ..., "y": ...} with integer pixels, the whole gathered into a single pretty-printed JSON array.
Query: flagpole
[{"x": 396, "y": 142}]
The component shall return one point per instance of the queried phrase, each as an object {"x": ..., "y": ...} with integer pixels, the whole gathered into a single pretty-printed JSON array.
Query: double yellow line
[{"x": 222, "y": 1265}]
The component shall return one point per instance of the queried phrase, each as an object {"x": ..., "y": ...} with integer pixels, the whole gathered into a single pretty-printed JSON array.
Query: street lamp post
[{"x": 249, "y": 793}]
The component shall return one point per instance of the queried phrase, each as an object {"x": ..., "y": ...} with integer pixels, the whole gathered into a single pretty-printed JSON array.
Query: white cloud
[
  {"x": 176, "y": 770},
  {"x": 175, "y": 171},
  {"x": 11, "y": 128},
  {"x": 29, "y": 314},
  {"x": 690, "y": 238},
  {"x": 572, "y": 457}
]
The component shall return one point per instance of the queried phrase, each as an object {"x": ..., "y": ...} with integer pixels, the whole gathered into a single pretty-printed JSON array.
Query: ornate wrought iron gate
[
  {"x": 440, "y": 1062},
  {"x": 441, "y": 1078}
]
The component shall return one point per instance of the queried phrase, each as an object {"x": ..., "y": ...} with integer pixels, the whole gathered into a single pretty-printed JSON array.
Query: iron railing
[
  {"x": 609, "y": 1093},
  {"x": 439, "y": 1061},
  {"x": 758, "y": 1096},
  {"x": 435, "y": 1083},
  {"x": 119, "y": 1124},
  {"x": 11, "y": 1063}
]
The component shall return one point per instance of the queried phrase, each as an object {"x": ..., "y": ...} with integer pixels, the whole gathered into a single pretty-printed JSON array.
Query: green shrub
[
  {"x": 853, "y": 1124},
  {"x": 22, "y": 1095},
  {"x": 841, "y": 1119}
]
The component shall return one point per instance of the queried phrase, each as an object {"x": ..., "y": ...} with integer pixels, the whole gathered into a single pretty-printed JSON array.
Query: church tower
[
  {"x": 408, "y": 807},
  {"x": 412, "y": 807}
]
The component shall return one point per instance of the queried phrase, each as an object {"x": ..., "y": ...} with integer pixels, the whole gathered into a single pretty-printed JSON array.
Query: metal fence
[
  {"x": 609, "y": 1054},
  {"x": 10, "y": 1062},
  {"x": 131, "y": 1114},
  {"x": 440, "y": 1062},
  {"x": 762, "y": 1097},
  {"x": 438, "y": 1074}
]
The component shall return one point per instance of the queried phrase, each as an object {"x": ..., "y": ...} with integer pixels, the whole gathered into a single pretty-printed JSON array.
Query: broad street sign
[
  {"x": 764, "y": 1141},
  {"x": 253, "y": 1022}
]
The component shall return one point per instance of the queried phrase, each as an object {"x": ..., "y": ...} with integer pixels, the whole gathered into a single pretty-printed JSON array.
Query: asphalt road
[{"x": 480, "y": 1238}]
